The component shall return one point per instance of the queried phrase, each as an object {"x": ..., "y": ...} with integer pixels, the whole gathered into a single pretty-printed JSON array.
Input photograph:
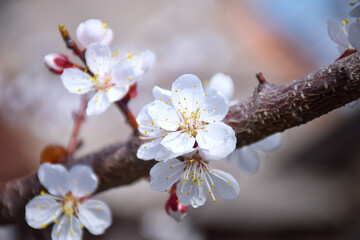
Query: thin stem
[
  {"x": 80, "y": 116},
  {"x": 123, "y": 106},
  {"x": 71, "y": 44}
]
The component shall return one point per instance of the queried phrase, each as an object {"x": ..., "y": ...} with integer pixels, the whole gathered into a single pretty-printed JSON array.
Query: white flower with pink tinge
[
  {"x": 112, "y": 78},
  {"x": 183, "y": 121},
  {"x": 94, "y": 31},
  {"x": 68, "y": 203},
  {"x": 248, "y": 156},
  {"x": 195, "y": 179}
]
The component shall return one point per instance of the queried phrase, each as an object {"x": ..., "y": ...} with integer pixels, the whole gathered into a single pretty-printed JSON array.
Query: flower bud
[
  {"x": 93, "y": 31},
  {"x": 174, "y": 208},
  {"x": 57, "y": 62}
]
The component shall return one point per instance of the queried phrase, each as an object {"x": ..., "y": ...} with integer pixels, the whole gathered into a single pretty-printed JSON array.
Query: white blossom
[
  {"x": 194, "y": 180},
  {"x": 94, "y": 31},
  {"x": 248, "y": 156},
  {"x": 68, "y": 203},
  {"x": 112, "y": 78},
  {"x": 183, "y": 121},
  {"x": 347, "y": 36}
]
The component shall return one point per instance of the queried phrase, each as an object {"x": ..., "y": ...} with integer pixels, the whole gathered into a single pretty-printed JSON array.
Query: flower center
[
  {"x": 103, "y": 83},
  {"x": 191, "y": 122},
  {"x": 69, "y": 205}
]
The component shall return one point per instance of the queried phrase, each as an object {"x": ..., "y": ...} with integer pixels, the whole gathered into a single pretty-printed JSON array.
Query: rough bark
[{"x": 271, "y": 109}]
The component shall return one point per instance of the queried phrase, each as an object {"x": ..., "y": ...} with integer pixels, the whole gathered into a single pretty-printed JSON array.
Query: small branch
[
  {"x": 80, "y": 117},
  {"x": 260, "y": 77},
  {"x": 71, "y": 44},
  {"x": 123, "y": 106},
  {"x": 269, "y": 110}
]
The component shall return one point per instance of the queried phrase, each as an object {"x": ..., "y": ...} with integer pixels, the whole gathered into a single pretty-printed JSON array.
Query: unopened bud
[
  {"x": 174, "y": 208},
  {"x": 57, "y": 62},
  {"x": 53, "y": 154}
]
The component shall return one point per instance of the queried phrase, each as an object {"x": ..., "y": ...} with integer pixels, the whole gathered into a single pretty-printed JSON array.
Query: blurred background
[{"x": 305, "y": 190}]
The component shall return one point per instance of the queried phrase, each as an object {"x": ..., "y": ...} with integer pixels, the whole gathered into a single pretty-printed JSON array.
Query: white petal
[
  {"x": 123, "y": 74},
  {"x": 149, "y": 150},
  {"x": 67, "y": 228},
  {"x": 224, "y": 184},
  {"x": 98, "y": 58},
  {"x": 76, "y": 81},
  {"x": 178, "y": 143},
  {"x": 95, "y": 216},
  {"x": 107, "y": 36},
  {"x": 42, "y": 210},
  {"x": 337, "y": 35},
  {"x": 187, "y": 93},
  {"x": 354, "y": 35},
  {"x": 142, "y": 62},
  {"x": 183, "y": 192},
  {"x": 117, "y": 92},
  {"x": 164, "y": 115},
  {"x": 216, "y": 141},
  {"x": 162, "y": 95},
  {"x": 223, "y": 85},
  {"x": 269, "y": 144},
  {"x": 55, "y": 178},
  {"x": 165, "y": 174},
  {"x": 248, "y": 159},
  {"x": 147, "y": 126},
  {"x": 215, "y": 108},
  {"x": 355, "y": 12},
  {"x": 83, "y": 181},
  {"x": 164, "y": 154},
  {"x": 98, "y": 103},
  {"x": 93, "y": 31}
]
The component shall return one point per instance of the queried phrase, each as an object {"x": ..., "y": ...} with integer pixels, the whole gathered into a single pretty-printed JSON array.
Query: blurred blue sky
[{"x": 304, "y": 23}]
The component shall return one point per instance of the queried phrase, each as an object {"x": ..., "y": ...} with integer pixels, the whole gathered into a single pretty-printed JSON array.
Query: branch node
[{"x": 260, "y": 77}]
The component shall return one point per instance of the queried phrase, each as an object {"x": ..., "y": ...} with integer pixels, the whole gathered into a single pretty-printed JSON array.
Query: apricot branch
[{"x": 270, "y": 109}]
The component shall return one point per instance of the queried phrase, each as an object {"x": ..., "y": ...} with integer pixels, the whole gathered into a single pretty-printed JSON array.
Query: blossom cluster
[{"x": 183, "y": 129}]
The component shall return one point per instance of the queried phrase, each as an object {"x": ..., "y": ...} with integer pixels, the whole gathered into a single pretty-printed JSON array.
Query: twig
[
  {"x": 270, "y": 109},
  {"x": 71, "y": 44},
  {"x": 123, "y": 106},
  {"x": 80, "y": 116}
]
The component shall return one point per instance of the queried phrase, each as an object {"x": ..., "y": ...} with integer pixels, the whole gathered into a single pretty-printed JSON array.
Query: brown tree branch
[{"x": 270, "y": 109}]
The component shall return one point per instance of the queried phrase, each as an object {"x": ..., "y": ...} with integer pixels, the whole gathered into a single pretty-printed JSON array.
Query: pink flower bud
[
  {"x": 174, "y": 208},
  {"x": 57, "y": 62}
]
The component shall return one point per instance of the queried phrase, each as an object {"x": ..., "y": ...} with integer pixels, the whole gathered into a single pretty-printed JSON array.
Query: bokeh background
[{"x": 308, "y": 189}]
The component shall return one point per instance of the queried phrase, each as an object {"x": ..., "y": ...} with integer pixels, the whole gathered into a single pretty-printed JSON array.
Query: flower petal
[
  {"x": 269, "y": 144},
  {"x": 141, "y": 63},
  {"x": 178, "y": 143},
  {"x": 55, "y": 178},
  {"x": 67, "y": 228},
  {"x": 76, "y": 81},
  {"x": 187, "y": 93},
  {"x": 98, "y": 104},
  {"x": 354, "y": 35},
  {"x": 149, "y": 150},
  {"x": 165, "y": 174},
  {"x": 224, "y": 184},
  {"x": 147, "y": 126},
  {"x": 162, "y": 95},
  {"x": 117, "y": 92},
  {"x": 98, "y": 58},
  {"x": 223, "y": 85},
  {"x": 108, "y": 36},
  {"x": 247, "y": 158},
  {"x": 123, "y": 74},
  {"x": 83, "y": 181},
  {"x": 215, "y": 108},
  {"x": 41, "y": 211},
  {"x": 355, "y": 12},
  {"x": 216, "y": 141},
  {"x": 93, "y": 31},
  {"x": 164, "y": 115},
  {"x": 337, "y": 35},
  {"x": 95, "y": 216}
]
